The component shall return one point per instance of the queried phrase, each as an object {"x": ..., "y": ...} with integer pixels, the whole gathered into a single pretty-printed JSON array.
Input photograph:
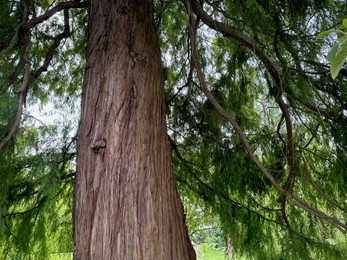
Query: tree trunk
[
  {"x": 230, "y": 248},
  {"x": 126, "y": 201}
]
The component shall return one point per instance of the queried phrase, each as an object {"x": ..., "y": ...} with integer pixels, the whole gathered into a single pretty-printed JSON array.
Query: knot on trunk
[{"x": 98, "y": 145}]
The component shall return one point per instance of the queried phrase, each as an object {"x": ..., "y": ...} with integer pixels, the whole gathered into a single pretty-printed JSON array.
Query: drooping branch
[
  {"x": 317, "y": 188},
  {"x": 238, "y": 36},
  {"x": 26, "y": 25},
  {"x": 213, "y": 190},
  {"x": 277, "y": 90},
  {"x": 21, "y": 95},
  {"x": 218, "y": 107},
  {"x": 14, "y": 37},
  {"x": 291, "y": 154},
  {"x": 295, "y": 200},
  {"x": 28, "y": 79}
]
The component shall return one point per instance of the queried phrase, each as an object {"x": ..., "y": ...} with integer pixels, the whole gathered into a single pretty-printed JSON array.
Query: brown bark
[
  {"x": 230, "y": 248},
  {"x": 126, "y": 201}
]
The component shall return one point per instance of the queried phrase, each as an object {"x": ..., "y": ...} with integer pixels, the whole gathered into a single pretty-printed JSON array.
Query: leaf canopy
[{"x": 259, "y": 60}]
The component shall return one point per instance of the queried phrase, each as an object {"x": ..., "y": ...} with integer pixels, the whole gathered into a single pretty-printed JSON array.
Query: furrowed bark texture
[{"x": 126, "y": 201}]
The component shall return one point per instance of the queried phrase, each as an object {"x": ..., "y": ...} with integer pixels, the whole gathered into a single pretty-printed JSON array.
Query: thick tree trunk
[{"x": 126, "y": 201}]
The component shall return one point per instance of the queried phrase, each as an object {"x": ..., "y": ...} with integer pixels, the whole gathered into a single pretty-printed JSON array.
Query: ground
[{"x": 210, "y": 254}]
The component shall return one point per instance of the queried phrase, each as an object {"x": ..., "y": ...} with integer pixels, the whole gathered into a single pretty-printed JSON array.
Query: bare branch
[
  {"x": 54, "y": 46},
  {"x": 52, "y": 11},
  {"x": 291, "y": 154},
  {"x": 314, "y": 134}
]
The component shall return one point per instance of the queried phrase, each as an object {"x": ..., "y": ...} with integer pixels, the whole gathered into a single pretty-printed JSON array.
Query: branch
[
  {"x": 315, "y": 185},
  {"x": 54, "y": 46},
  {"x": 224, "y": 196},
  {"x": 27, "y": 80},
  {"x": 25, "y": 211},
  {"x": 238, "y": 36},
  {"x": 219, "y": 108},
  {"x": 52, "y": 11},
  {"x": 158, "y": 16},
  {"x": 276, "y": 74},
  {"x": 291, "y": 154},
  {"x": 278, "y": 131},
  {"x": 21, "y": 96},
  {"x": 313, "y": 136},
  {"x": 291, "y": 197},
  {"x": 14, "y": 37}
]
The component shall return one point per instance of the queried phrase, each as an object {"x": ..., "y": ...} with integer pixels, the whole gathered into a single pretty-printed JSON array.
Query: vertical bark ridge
[{"x": 126, "y": 201}]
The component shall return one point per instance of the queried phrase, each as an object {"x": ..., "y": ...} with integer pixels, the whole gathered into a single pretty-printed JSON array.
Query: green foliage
[
  {"x": 210, "y": 254},
  {"x": 210, "y": 160},
  {"x": 338, "y": 53},
  {"x": 8, "y": 9},
  {"x": 37, "y": 166},
  {"x": 220, "y": 185},
  {"x": 36, "y": 200}
]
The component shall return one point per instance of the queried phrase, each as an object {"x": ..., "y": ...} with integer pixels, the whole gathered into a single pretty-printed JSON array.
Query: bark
[
  {"x": 126, "y": 201},
  {"x": 230, "y": 248}
]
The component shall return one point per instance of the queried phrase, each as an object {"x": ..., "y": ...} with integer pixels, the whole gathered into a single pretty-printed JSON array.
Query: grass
[
  {"x": 210, "y": 254},
  {"x": 213, "y": 255}
]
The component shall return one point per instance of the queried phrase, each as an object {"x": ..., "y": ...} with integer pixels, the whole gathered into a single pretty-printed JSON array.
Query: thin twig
[
  {"x": 205, "y": 185},
  {"x": 315, "y": 185}
]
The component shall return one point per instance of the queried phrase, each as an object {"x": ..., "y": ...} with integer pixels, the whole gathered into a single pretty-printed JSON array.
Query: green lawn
[
  {"x": 210, "y": 254},
  {"x": 213, "y": 255}
]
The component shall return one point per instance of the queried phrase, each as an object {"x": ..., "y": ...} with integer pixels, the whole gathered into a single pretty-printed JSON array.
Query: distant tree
[{"x": 256, "y": 125}]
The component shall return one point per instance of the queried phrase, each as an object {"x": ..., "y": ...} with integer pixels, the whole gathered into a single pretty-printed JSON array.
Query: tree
[
  {"x": 125, "y": 188},
  {"x": 256, "y": 127}
]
